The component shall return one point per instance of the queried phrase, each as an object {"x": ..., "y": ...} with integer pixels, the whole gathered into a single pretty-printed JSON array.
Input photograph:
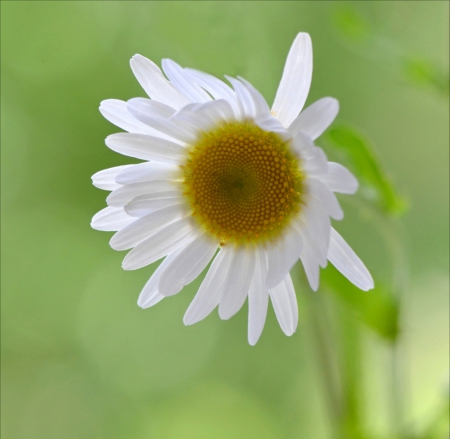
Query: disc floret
[{"x": 243, "y": 184}]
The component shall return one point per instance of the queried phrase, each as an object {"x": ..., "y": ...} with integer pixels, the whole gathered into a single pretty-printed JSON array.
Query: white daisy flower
[{"x": 226, "y": 179}]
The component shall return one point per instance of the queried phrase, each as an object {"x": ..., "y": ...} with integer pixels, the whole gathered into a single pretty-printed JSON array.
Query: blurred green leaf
[
  {"x": 367, "y": 167},
  {"x": 359, "y": 34},
  {"x": 421, "y": 72},
  {"x": 350, "y": 24},
  {"x": 440, "y": 425},
  {"x": 376, "y": 308}
]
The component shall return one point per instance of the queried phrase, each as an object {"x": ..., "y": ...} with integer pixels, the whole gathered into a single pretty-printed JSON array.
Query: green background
[{"x": 79, "y": 358}]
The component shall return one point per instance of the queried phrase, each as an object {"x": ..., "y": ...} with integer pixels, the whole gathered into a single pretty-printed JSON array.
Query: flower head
[{"x": 226, "y": 179}]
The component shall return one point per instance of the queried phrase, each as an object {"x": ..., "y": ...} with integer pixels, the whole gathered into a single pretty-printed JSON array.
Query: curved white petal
[
  {"x": 157, "y": 116},
  {"x": 315, "y": 119},
  {"x": 317, "y": 164},
  {"x": 146, "y": 226},
  {"x": 284, "y": 303},
  {"x": 160, "y": 244},
  {"x": 146, "y": 172},
  {"x": 106, "y": 179},
  {"x": 295, "y": 82},
  {"x": 178, "y": 76},
  {"x": 111, "y": 219},
  {"x": 260, "y": 104},
  {"x": 155, "y": 84},
  {"x": 210, "y": 291},
  {"x": 324, "y": 196},
  {"x": 217, "y": 89},
  {"x": 244, "y": 97},
  {"x": 269, "y": 123},
  {"x": 237, "y": 283},
  {"x": 310, "y": 257},
  {"x": 141, "y": 206},
  {"x": 339, "y": 179},
  {"x": 258, "y": 298},
  {"x": 187, "y": 266},
  {"x": 144, "y": 147},
  {"x": 304, "y": 146},
  {"x": 124, "y": 194},
  {"x": 347, "y": 262},
  {"x": 150, "y": 295},
  {"x": 316, "y": 222},
  {"x": 116, "y": 112},
  {"x": 282, "y": 256},
  {"x": 205, "y": 117}
]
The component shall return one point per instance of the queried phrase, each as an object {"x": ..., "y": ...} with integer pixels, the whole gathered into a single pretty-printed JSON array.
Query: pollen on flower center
[{"x": 243, "y": 184}]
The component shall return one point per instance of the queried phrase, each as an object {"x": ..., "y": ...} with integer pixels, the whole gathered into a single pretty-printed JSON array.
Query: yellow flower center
[{"x": 242, "y": 183}]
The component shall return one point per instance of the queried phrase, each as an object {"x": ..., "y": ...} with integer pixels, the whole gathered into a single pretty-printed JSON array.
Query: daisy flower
[{"x": 226, "y": 180}]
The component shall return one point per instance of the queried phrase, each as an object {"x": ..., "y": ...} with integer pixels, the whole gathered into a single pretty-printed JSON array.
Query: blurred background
[{"x": 81, "y": 360}]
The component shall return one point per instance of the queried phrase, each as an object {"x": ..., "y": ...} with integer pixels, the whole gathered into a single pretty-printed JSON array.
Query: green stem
[
  {"x": 326, "y": 360},
  {"x": 391, "y": 232}
]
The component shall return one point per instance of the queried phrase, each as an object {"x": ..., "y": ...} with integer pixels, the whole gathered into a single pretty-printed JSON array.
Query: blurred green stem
[
  {"x": 350, "y": 363},
  {"x": 391, "y": 231},
  {"x": 326, "y": 360}
]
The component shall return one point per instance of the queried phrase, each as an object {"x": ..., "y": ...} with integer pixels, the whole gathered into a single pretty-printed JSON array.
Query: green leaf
[
  {"x": 439, "y": 428},
  {"x": 351, "y": 24},
  {"x": 421, "y": 72},
  {"x": 377, "y": 308},
  {"x": 367, "y": 167}
]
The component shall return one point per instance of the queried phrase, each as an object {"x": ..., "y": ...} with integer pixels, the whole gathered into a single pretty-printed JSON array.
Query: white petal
[
  {"x": 237, "y": 283},
  {"x": 283, "y": 254},
  {"x": 345, "y": 260},
  {"x": 271, "y": 124},
  {"x": 324, "y": 196},
  {"x": 210, "y": 291},
  {"x": 155, "y": 84},
  {"x": 178, "y": 76},
  {"x": 295, "y": 82},
  {"x": 189, "y": 117},
  {"x": 284, "y": 303},
  {"x": 150, "y": 295},
  {"x": 204, "y": 117},
  {"x": 316, "y": 118},
  {"x": 339, "y": 179},
  {"x": 260, "y": 104},
  {"x": 190, "y": 262},
  {"x": 310, "y": 258},
  {"x": 318, "y": 164},
  {"x": 146, "y": 172},
  {"x": 106, "y": 179},
  {"x": 124, "y": 194},
  {"x": 311, "y": 267},
  {"x": 141, "y": 206},
  {"x": 144, "y": 147},
  {"x": 152, "y": 114},
  {"x": 153, "y": 298},
  {"x": 146, "y": 226},
  {"x": 244, "y": 97},
  {"x": 153, "y": 108},
  {"x": 116, "y": 112},
  {"x": 160, "y": 244},
  {"x": 111, "y": 219},
  {"x": 304, "y": 146},
  {"x": 316, "y": 222},
  {"x": 217, "y": 89},
  {"x": 258, "y": 297}
]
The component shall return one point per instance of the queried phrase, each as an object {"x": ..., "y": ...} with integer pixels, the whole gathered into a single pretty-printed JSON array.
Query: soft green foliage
[
  {"x": 374, "y": 43},
  {"x": 376, "y": 308},
  {"x": 351, "y": 24},
  {"x": 422, "y": 72},
  {"x": 80, "y": 360},
  {"x": 367, "y": 167}
]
